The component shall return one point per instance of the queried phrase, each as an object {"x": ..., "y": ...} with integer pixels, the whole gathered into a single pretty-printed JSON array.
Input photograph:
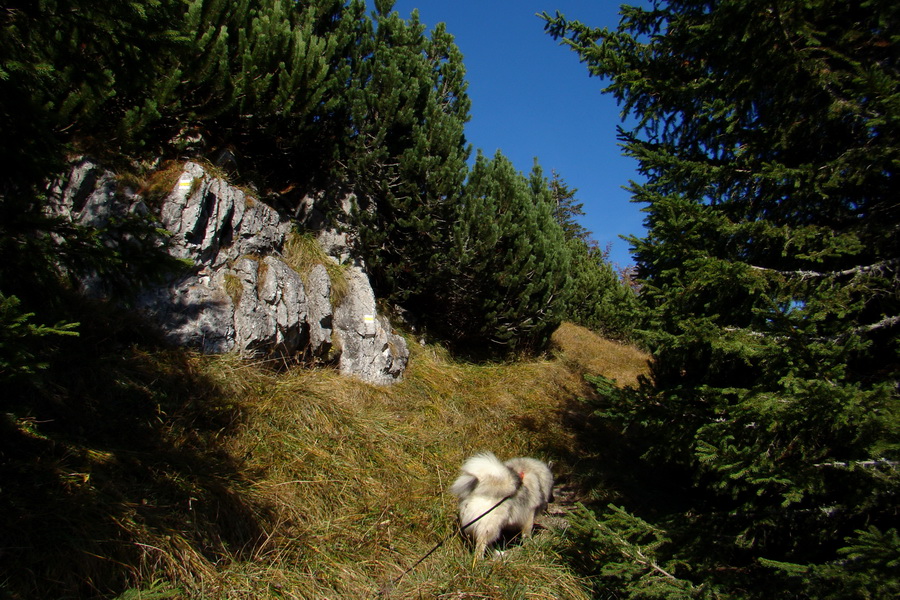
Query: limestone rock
[
  {"x": 240, "y": 295},
  {"x": 270, "y": 316},
  {"x": 194, "y": 310},
  {"x": 321, "y": 317},
  {"x": 91, "y": 196},
  {"x": 369, "y": 349},
  {"x": 213, "y": 222}
]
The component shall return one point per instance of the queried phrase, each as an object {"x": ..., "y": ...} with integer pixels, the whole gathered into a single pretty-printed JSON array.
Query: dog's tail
[{"x": 486, "y": 472}]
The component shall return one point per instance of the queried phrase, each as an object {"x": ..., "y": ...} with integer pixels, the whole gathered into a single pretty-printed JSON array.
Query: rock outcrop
[{"x": 240, "y": 294}]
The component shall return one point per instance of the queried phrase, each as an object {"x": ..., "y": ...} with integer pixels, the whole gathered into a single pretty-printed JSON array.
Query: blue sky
[{"x": 533, "y": 98}]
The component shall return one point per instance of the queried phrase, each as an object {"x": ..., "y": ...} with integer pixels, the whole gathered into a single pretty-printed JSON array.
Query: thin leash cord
[{"x": 447, "y": 537}]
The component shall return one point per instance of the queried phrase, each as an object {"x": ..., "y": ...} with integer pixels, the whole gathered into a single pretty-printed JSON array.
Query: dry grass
[
  {"x": 160, "y": 183},
  {"x": 302, "y": 252},
  {"x": 589, "y": 353},
  {"x": 305, "y": 484}
]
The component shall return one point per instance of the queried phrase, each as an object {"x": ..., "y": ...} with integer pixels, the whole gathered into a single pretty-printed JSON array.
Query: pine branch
[
  {"x": 876, "y": 269},
  {"x": 860, "y": 463},
  {"x": 885, "y": 322}
]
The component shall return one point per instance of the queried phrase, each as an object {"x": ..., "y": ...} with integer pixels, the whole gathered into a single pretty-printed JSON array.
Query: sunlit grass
[{"x": 589, "y": 353}]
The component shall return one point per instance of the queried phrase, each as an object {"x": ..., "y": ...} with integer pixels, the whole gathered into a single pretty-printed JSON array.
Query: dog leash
[{"x": 447, "y": 537}]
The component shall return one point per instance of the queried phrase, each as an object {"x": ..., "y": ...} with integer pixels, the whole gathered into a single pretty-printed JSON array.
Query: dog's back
[{"x": 536, "y": 477}]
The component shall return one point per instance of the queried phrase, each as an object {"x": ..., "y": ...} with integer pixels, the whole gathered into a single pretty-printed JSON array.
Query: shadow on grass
[
  {"x": 599, "y": 463},
  {"x": 109, "y": 470}
]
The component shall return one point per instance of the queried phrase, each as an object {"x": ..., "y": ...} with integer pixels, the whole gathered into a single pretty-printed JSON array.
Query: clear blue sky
[{"x": 532, "y": 98}]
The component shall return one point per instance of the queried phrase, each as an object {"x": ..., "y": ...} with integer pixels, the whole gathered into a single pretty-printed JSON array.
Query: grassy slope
[{"x": 168, "y": 474}]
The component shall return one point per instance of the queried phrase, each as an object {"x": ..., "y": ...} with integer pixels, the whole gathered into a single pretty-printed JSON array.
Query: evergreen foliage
[
  {"x": 622, "y": 554},
  {"x": 21, "y": 340},
  {"x": 75, "y": 70},
  {"x": 266, "y": 78},
  {"x": 567, "y": 209},
  {"x": 408, "y": 153},
  {"x": 265, "y": 84},
  {"x": 511, "y": 264},
  {"x": 599, "y": 299},
  {"x": 768, "y": 134}
]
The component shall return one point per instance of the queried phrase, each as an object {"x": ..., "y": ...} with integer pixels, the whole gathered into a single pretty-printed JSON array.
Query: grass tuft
[
  {"x": 234, "y": 288},
  {"x": 302, "y": 253},
  {"x": 160, "y": 183}
]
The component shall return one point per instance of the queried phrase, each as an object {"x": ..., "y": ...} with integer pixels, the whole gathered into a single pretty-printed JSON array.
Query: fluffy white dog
[{"x": 524, "y": 485}]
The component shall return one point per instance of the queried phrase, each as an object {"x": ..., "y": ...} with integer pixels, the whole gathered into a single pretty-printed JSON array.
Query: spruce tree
[
  {"x": 599, "y": 299},
  {"x": 768, "y": 134},
  {"x": 567, "y": 209}
]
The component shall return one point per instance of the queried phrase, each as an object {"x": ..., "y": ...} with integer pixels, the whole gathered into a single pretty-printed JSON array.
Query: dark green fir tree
[{"x": 768, "y": 136}]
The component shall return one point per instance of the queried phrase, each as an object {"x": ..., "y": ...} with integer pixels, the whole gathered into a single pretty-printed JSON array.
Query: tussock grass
[
  {"x": 160, "y": 183},
  {"x": 302, "y": 252},
  {"x": 185, "y": 476}
]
